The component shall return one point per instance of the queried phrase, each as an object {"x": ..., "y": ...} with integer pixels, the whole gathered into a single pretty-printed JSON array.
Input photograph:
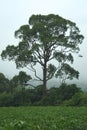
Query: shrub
[
  {"x": 79, "y": 99},
  {"x": 6, "y": 99}
]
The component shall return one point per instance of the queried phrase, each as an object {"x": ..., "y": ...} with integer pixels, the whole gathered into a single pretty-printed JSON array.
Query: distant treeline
[{"x": 14, "y": 93}]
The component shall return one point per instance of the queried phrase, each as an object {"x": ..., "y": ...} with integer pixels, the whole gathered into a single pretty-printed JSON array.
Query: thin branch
[
  {"x": 30, "y": 85},
  {"x": 36, "y": 73},
  {"x": 33, "y": 70},
  {"x": 50, "y": 77},
  {"x": 29, "y": 69},
  {"x": 40, "y": 62},
  {"x": 52, "y": 58},
  {"x": 37, "y": 80}
]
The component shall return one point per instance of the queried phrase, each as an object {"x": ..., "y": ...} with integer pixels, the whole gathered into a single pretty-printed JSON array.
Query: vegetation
[
  {"x": 14, "y": 93},
  {"x": 44, "y": 39},
  {"x": 47, "y": 38},
  {"x": 43, "y": 118},
  {"x": 19, "y": 81},
  {"x": 4, "y": 83}
]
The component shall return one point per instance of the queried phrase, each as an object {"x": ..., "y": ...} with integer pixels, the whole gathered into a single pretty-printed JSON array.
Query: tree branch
[
  {"x": 36, "y": 73},
  {"x": 30, "y": 85}
]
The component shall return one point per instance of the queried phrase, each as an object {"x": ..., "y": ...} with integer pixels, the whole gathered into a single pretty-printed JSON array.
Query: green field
[{"x": 43, "y": 118}]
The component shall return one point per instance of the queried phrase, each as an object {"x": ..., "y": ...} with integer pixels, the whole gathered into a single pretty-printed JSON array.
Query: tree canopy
[
  {"x": 44, "y": 39},
  {"x": 21, "y": 79},
  {"x": 4, "y": 83}
]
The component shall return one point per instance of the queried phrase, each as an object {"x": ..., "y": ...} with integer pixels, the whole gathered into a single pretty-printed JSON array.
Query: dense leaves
[
  {"x": 4, "y": 83},
  {"x": 43, "y": 118},
  {"x": 21, "y": 95},
  {"x": 21, "y": 79},
  {"x": 46, "y": 38}
]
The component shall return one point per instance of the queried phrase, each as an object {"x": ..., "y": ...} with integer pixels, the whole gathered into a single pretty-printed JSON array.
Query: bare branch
[
  {"x": 29, "y": 69},
  {"x": 38, "y": 59},
  {"x": 30, "y": 85},
  {"x": 36, "y": 73},
  {"x": 33, "y": 70}
]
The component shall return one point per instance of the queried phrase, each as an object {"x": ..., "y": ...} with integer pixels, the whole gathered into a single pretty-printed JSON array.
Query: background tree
[
  {"x": 66, "y": 91},
  {"x": 4, "y": 83},
  {"x": 46, "y": 38},
  {"x": 19, "y": 80}
]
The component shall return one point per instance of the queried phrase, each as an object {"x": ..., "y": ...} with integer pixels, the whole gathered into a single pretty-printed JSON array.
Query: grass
[{"x": 43, "y": 118}]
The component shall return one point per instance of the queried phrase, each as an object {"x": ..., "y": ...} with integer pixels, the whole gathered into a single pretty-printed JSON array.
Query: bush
[
  {"x": 67, "y": 91},
  {"x": 6, "y": 99},
  {"x": 79, "y": 99}
]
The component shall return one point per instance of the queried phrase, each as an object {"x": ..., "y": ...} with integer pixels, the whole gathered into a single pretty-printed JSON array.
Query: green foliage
[
  {"x": 67, "y": 91},
  {"x": 67, "y": 72},
  {"x": 56, "y": 96},
  {"x": 23, "y": 77},
  {"x": 19, "y": 80},
  {"x": 17, "y": 125},
  {"x": 4, "y": 84},
  {"x": 83, "y": 101},
  {"x": 43, "y": 118},
  {"x": 34, "y": 96},
  {"x": 46, "y": 38},
  {"x": 79, "y": 99},
  {"x": 6, "y": 99}
]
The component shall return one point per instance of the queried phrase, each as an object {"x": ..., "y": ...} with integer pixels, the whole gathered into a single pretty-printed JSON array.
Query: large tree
[{"x": 44, "y": 39}]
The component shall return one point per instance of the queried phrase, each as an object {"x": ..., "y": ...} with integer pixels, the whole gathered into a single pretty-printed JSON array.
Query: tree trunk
[{"x": 44, "y": 80}]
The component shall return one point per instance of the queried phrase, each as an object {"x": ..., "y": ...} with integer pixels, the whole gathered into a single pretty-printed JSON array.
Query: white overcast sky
[{"x": 14, "y": 13}]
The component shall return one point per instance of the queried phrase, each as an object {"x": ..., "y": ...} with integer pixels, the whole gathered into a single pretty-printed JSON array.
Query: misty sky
[{"x": 14, "y": 13}]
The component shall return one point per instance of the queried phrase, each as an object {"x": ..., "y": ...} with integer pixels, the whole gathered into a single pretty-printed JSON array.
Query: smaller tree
[
  {"x": 20, "y": 79},
  {"x": 23, "y": 78},
  {"x": 4, "y": 83},
  {"x": 67, "y": 91}
]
